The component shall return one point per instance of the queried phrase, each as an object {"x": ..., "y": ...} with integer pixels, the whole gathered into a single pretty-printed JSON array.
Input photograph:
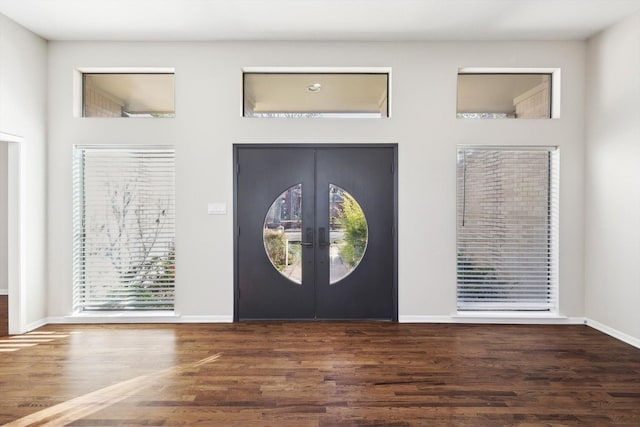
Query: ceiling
[{"x": 200, "y": 20}]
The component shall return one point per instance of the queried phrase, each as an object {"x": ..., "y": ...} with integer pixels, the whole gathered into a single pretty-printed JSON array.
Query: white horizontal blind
[
  {"x": 507, "y": 228},
  {"x": 124, "y": 228}
]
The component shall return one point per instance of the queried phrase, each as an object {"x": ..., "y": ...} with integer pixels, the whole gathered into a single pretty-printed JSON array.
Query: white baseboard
[
  {"x": 423, "y": 319},
  {"x": 129, "y": 318},
  {"x": 613, "y": 332},
  {"x": 4, "y": 291},
  {"x": 206, "y": 319},
  {"x": 35, "y": 325},
  {"x": 496, "y": 318}
]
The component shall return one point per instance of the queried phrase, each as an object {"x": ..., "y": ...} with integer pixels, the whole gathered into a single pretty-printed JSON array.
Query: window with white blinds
[
  {"x": 124, "y": 228},
  {"x": 507, "y": 229}
]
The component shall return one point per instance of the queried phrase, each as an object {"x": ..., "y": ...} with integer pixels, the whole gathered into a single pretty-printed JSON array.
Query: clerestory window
[
  {"x": 508, "y": 93},
  {"x": 128, "y": 93},
  {"x": 303, "y": 93}
]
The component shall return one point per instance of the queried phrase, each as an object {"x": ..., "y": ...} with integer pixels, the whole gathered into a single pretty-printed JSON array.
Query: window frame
[
  {"x": 80, "y": 225},
  {"x": 318, "y": 70},
  {"x": 552, "y": 209},
  {"x": 79, "y": 80},
  {"x": 555, "y": 83}
]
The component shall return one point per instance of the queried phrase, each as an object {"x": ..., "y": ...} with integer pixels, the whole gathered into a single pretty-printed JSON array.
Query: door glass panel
[
  {"x": 348, "y": 233},
  {"x": 282, "y": 234}
]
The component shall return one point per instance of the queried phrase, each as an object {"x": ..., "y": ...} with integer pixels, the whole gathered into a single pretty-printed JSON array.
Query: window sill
[
  {"x": 525, "y": 314},
  {"x": 512, "y": 317},
  {"x": 123, "y": 317}
]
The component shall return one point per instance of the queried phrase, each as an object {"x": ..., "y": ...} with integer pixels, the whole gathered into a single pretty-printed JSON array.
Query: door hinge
[
  {"x": 238, "y": 231},
  {"x": 237, "y": 168}
]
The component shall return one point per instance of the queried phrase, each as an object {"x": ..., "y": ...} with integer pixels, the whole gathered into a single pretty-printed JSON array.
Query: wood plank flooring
[
  {"x": 319, "y": 374},
  {"x": 4, "y": 315}
]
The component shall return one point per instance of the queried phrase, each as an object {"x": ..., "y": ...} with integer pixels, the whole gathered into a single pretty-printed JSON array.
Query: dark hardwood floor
[
  {"x": 318, "y": 374},
  {"x": 4, "y": 315}
]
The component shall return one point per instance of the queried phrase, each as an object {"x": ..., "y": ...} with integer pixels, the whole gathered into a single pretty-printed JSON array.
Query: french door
[{"x": 315, "y": 232}]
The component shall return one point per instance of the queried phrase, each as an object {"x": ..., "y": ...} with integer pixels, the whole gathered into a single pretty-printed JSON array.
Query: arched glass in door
[
  {"x": 348, "y": 234},
  {"x": 282, "y": 233}
]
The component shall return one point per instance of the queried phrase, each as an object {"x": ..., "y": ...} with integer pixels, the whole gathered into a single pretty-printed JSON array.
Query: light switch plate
[{"x": 217, "y": 208}]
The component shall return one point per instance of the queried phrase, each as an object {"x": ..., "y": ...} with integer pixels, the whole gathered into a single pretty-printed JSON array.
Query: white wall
[
  {"x": 612, "y": 179},
  {"x": 208, "y": 122},
  {"x": 23, "y": 91},
  {"x": 4, "y": 158}
]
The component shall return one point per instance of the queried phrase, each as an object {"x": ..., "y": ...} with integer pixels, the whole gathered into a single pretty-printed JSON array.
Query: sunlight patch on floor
[
  {"x": 30, "y": 339},
  {"x": 80, "y": 407}
]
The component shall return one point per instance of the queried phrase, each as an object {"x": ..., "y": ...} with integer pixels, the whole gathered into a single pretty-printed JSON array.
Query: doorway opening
[
  {"x": 10, "y": 241},
  {"x": 4, "y": 241}
]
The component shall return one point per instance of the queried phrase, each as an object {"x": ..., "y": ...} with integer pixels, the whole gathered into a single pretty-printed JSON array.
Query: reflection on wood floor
[
  {"x": 319, "y": 374},
  {"x": 17, "y": 342}
]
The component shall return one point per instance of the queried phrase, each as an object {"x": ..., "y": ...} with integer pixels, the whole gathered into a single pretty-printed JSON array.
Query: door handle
[
  {"x": 308, "y": 237},
  {"x": 323, "y": 239}
]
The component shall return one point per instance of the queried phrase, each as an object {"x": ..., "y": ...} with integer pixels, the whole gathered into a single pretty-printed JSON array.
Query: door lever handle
[
  {"x": 323, "y": 239},
  {"x": 308, "y": 237}
]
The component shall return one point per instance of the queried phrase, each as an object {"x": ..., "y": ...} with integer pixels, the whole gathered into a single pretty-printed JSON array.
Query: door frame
[
  {"x": 236, "y": 169},
  {"x": 15, "y": 236}
]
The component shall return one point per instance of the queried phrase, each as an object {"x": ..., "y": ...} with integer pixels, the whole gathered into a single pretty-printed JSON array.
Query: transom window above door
[{"x": 296, "y": 93}]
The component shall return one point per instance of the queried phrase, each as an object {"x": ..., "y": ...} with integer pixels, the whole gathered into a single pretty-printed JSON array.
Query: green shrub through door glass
[{"x": 348, "y": 233}]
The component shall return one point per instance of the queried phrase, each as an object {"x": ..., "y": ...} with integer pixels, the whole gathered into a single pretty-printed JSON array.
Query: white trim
[
  {"x": 34, "y": 325},
  {"x": 124, "y": 147},
  {"x": 613, "y": 332},
  {"x": 496, "y": 318},
  {"x": 423, "y": 319},
  {"x": 318, "y": 70},
  {"x": 16, "y": 252},
  {"x": 548, "y": 148},
  {"x": 122, "y": 313},
  {"x": 507, "y": 70},
  {"x": 8, "y": 137},
  {"x": 131, "y": 70},
  {"x": 77, "y": 93},
  {"x": 320, "y": 115},
  {"x": 206, "y": 319},
  {"x": 556, "y": 84},
  {"x": 4, "y": 291},
  {"x": 118, "y": 317},
  {"x": 137, "y": 318}
]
